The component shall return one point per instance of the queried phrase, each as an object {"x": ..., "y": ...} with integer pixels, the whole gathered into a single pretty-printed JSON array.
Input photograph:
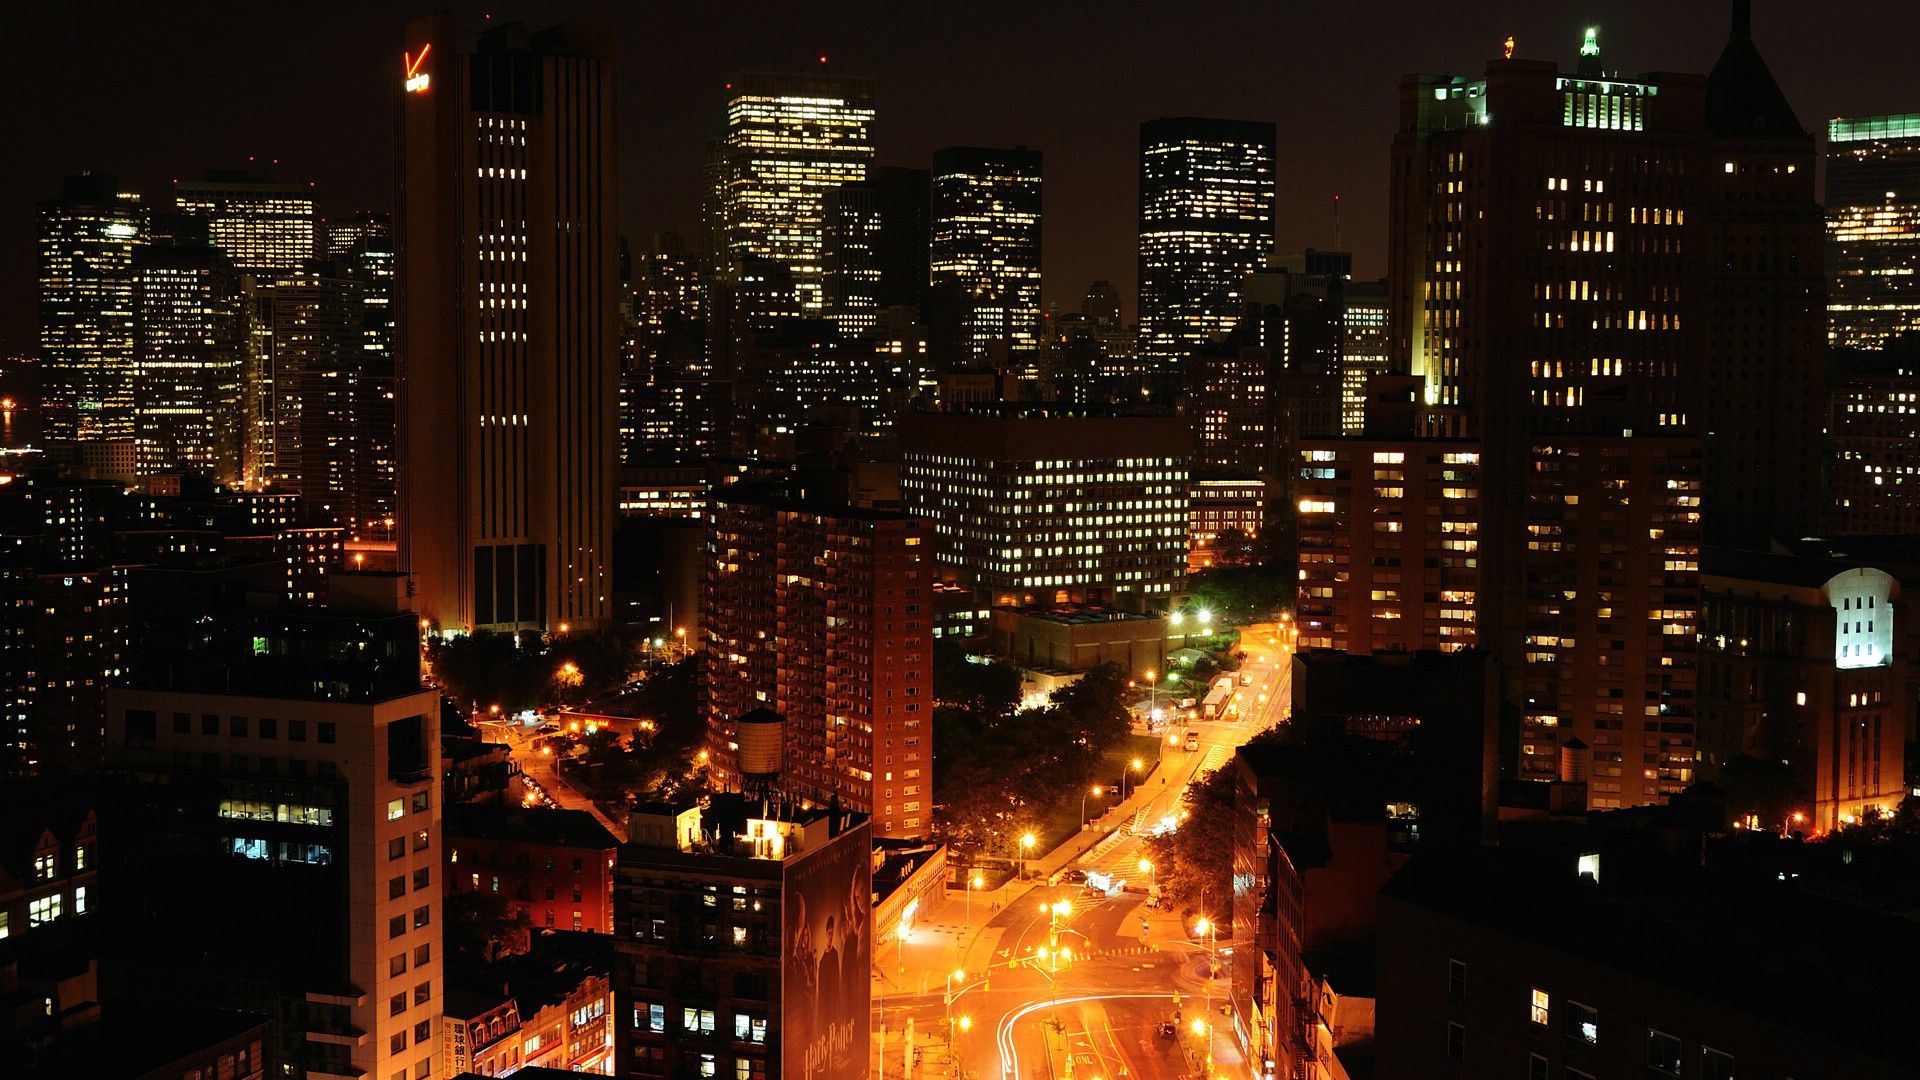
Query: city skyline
[{"x": 1333, "y": 114}]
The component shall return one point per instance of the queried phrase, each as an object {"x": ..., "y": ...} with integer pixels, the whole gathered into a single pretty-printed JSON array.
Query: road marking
[{"x": 1003, "y": 1034}]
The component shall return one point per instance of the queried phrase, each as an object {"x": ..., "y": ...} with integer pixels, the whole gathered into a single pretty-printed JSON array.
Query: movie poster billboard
[{"x": 827, "y": 961}]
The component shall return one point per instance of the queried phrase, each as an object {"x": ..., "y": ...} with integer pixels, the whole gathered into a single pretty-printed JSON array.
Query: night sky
[{"x": 158, "y": 91}]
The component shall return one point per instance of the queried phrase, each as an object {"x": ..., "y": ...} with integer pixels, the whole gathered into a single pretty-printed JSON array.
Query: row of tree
[{"x": 1002, "y": 771}]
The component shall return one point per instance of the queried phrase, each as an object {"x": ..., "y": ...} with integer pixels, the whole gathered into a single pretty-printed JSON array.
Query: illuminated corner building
[
  {"x": 1389, "y": 544},
  {"x": 1873, "y": 228},
  {"x": 190, "y": 342},
  {"x": 1038, "y": 505},
  {"x": 1206, "y": 221},
  {"x": 1802, "y": 663},
  {"x": 1875, "y": 410},
  {"x": 985, "y": 241},
  {"x": 789, "y": 140},
  {"x": 264, "y": 226},
  {"x": 87, "y": 235},
  {"x": 824, "y": 615},
  {"x": 876, "y": 247},
  {"x": 743, "y": 941},
  {"x": 507, "y": 325},
  {"x": 287, "y": 765}
]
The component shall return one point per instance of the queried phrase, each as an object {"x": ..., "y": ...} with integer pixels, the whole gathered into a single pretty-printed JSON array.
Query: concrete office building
[{"x": 1052, "y": 504}]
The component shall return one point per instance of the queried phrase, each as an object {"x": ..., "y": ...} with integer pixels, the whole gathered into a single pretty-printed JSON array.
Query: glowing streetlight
[
  {"x": 1096, "y": 791},
  {"x": 1027, "y": 842},
  {"x": 966, "y": 1023},
  {"x": 1134, "y": 766},
  {"x": 566, "y": 627},
  {"x": 1147, "y": 868},
  {"x": 973, "y": 883}
]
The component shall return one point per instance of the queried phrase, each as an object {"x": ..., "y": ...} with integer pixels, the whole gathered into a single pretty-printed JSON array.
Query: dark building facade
[{"x": 1642, "y": 970}]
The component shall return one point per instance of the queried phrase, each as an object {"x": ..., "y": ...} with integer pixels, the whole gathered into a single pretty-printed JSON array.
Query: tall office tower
[
  {"x": 1101, "y": 305},
  {"x": 774, "y": 981},
  {"x": 1873, "y": 228},
  {"x": 875, "y": 254},
  {"x": 1035, "y": 505},
  {"x": 1872, "y": 429},
  {"x": 789, "y": 140},
  {"x": 189, "y": 361},
  {"x": 361, "y": 249},
  {"x": 265, "y": 227},
  {"x": 1763, "y": 303},
  {"x": 1366, "y": 349},
  {"x": 1544, "y": 233},
  {"x": 985, "y": 241},
  {"x": 287, "y": 765},
  {"x": 319, "y": 355},
  {"x": 1206, "y": 221},
  {"x": 87, "y": 234},
  {"x": 824, "y": 615},
  {"x": 508, "y": 326},
  {"x": 670, "y": 402}
]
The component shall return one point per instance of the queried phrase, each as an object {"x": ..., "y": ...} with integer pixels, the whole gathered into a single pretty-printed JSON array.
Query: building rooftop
[
  {"x": 1745, "y": 941},
  {"x": 527, "y": 825}
]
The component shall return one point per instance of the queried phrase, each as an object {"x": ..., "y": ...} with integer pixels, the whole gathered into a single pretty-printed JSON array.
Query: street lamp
[
  {"x": 1153, "y": 681},
  {"x": 1146, "y": 867},
  {"x": 1095, "y": 791},
  {"x": 1027, "y": 841},
  {"x": 1133, "y": 766},
  {"x": 973, "y": 883},
  {"x": 680, "y": 635}
]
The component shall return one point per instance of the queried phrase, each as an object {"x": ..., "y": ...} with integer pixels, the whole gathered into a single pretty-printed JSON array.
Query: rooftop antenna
[{"x": 1337, "y": 245}]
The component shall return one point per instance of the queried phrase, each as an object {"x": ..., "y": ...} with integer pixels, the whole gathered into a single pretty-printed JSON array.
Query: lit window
[
  {"x": 1537, "y": 1012},
  {"x": 43, "y": 911},
  {"x": 1583, "y": 1022}
]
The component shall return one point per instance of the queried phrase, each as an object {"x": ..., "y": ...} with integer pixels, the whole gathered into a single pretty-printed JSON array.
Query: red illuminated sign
[{"x": 417, "y": 80}]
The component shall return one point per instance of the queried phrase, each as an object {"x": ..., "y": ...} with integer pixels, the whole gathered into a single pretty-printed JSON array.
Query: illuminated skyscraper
[
  {"x": 986, "y": 241},
  {"x": 508, "y": 324},
  {"x": 361, "y": 250},
  {"x": 87, "y": 236},
  {"x": 1873, "y": 228},
  {"x": 190, "y": 341},
  {"x": 320, "y": 360},
  {"x": 1206, "y": 222},
  {"x": 1572, "y": 361},
  {"x": 264, "y": 226},
  {"x": 1365, "y": 350},
  {"x": 790, "y": 139}
]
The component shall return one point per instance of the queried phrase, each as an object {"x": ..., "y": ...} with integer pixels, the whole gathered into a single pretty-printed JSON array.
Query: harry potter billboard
[{"x": 827, "y": 960}]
